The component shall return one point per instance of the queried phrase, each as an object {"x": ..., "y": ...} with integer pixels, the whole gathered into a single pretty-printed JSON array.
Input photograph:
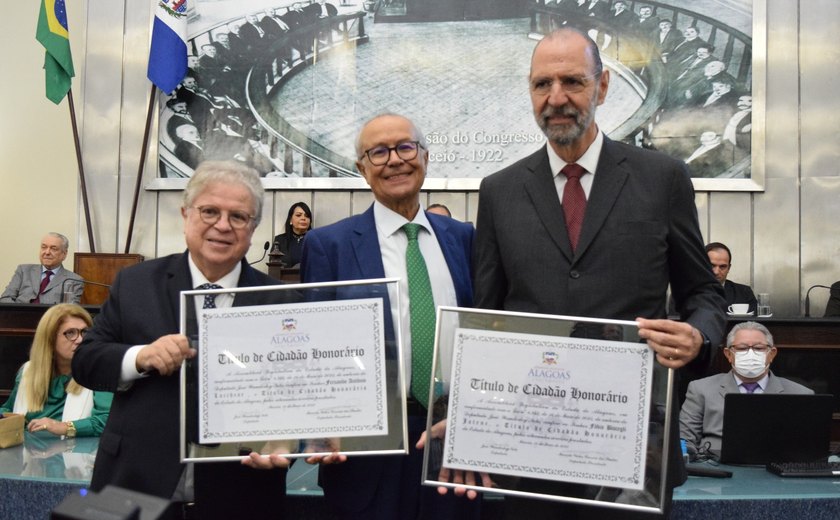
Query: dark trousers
[
  {"x": 398, "y": 493},
  {"x": 227, "y": 490}
]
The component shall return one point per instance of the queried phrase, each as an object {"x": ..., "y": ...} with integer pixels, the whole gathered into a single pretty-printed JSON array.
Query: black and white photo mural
[{"x": 284, "y": 86}]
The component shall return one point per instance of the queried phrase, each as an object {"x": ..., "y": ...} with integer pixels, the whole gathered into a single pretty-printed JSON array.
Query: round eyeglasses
[
  {"x": 758, "y": 347},
  {"x": 73, "y": 334},
  {"x": 406, "y": 150},
  {"x": 211, "y": 214}
]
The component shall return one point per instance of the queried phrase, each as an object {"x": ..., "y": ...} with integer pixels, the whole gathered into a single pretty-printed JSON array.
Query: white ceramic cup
[{"x": 739, "y": 308}]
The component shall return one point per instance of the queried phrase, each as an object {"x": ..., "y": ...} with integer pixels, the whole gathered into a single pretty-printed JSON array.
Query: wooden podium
[
  {"x": 100, "y": 269},
  {"x": 277, "y": 270}
]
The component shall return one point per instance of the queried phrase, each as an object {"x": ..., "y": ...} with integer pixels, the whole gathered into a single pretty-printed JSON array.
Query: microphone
[
  {"x": 81, "y": 281},
  {"x": 265, "y": 251},
  {"x": 808, "y": 299}
]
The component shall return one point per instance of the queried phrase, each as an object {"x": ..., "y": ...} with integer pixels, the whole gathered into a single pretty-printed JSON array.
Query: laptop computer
[{"x": 763, "y": 428}]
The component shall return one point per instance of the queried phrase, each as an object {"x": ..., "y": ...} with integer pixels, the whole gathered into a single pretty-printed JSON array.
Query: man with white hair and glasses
[{"x": 749, "y": 349}]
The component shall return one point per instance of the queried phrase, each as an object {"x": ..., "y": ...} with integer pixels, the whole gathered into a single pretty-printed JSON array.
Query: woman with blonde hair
[{"x": 45, "y": 391}]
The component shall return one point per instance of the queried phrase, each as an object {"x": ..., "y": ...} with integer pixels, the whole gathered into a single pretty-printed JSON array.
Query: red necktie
[
  {"x": 574, "y": 201},
  {"x": 44, "y": 283}
]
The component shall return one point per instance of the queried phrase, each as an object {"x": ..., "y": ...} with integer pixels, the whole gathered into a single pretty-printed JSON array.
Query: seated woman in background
[
  {"x": 45, "y": 391},
  {"x": 290, "y": 243}
]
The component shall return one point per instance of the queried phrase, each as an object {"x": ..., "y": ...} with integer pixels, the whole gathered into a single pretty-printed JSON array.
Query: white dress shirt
[{"x": 392, "y": 244}]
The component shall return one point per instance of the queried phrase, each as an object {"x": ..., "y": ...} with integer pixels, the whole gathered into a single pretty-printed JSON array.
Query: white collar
[
  {"x": 228, "y": 281},
  {"x": 589, "y": 159},
  {"x": 389, "y": 222}
]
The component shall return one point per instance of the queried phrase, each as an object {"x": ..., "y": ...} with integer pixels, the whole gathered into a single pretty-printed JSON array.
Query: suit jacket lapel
[
  {"x": 35, "y": 278},
  {"x": 729, "y": 385},
  {"x": 450, "y": 248},
  {"x": 178, "y": 279},
  {"x": 365, "y": 244},
  {"x": 539, "y": 184},
  {"x": 774, "y": 386},
  {"x": 606, "y": 187}
]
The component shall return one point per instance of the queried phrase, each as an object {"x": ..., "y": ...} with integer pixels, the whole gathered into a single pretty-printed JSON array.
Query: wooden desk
[{"x": 18, "y": 322}]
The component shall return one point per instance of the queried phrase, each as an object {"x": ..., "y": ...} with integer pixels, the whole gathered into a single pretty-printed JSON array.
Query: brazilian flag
[{"x": 53, "y": 35}]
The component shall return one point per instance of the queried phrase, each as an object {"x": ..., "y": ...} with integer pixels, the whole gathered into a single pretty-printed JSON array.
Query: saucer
[
  {"x": 745, "y": 315},
  {"x": 765, "y": 315}
]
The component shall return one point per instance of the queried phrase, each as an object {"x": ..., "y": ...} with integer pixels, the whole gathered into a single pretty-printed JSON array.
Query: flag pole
[
  {"x": 143, "y": 150},
  {"x": 81, "y": 168}
]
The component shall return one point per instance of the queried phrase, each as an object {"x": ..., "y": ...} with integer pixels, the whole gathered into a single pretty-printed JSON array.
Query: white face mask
[{"x": 750, "y": 364}]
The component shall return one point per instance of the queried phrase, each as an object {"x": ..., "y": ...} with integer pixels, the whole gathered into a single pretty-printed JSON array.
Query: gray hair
[
  {"x": 229, "y": 172},
  {"x": 65, "y": 243},
  {"x": 749, "y": 325},
  {"x": 417, "y": 133}
]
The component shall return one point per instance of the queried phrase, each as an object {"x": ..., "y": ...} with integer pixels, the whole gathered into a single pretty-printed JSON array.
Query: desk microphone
[
  {"x": 808, "y": 299},
  {"x": 81, "y": 281},
  {"x": 265, "y": 251}
]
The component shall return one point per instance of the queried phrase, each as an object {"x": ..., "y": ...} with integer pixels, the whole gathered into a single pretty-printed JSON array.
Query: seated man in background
[
  {"x": 749, "y": 349},
  {"x": 721, "y": 259},
  {"x": 44, "y": 283},
  {"x": 439, "y": 209},
  {"x": 832, "y": 308}
]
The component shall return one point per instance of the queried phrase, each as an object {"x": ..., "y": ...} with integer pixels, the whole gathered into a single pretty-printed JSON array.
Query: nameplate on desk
[{"x": 537, "y": 401}]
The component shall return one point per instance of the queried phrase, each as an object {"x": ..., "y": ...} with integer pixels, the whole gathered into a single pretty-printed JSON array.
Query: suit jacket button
[{"x": 574, "y": 275}]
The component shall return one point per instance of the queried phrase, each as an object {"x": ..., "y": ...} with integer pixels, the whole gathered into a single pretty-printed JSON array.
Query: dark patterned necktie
[
  {"x": 44, "y": 283},
  {"x": 574, "y": 201},
  {"x": 422, "y": 316},
  {"x": 209, "y": 299}
]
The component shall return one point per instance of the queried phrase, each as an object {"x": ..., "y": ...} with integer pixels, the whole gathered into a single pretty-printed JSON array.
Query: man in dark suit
[
  {"x": 392, "y": 157},
  {"x": 252, "y": 34},
  {"x": 273, "y": 25},
  {"x": 325, "y": 10},
  {"x": 666, "y": 38},
  {"x": 749, "y": 349},
  {"x": 636, "y": 231},
  {"x": 44, "y": 282},
  {"x": 134, "y": 350},
  {"x": 738, "y": 130},
  {"x": 832, "y": 307},
  {"x": 646, "y": 23},
  {"x": 189, "y": 148},
  {"x": 721, "y": 259},
  {"x": 712, "y": 157}
]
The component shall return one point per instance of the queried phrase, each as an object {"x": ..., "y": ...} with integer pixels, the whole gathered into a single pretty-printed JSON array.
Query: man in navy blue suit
[
  {"x": 392, "y": 156},
  {"x": 135, "y": 350}
]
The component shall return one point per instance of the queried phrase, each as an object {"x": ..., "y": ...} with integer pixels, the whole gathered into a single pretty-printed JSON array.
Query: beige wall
[{"x": 38, "y": 174}]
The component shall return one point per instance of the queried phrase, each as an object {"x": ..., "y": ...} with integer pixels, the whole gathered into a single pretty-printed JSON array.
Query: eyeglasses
[
  {"x": 73, "y": 334},
  {"x": 568, "y": 84},
  {"x": 406, "y": 150},
  {"x": 212, "y": 214},
  {"x": 758, "y": 347}
]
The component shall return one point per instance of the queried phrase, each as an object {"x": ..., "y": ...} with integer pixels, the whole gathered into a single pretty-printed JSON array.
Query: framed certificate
[
  {"x": 297, "y": 370},
  {"x": 551, "y": 407}
]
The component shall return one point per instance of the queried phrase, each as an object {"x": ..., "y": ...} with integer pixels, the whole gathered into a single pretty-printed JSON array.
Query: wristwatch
[{"x": 71, "y": 429}]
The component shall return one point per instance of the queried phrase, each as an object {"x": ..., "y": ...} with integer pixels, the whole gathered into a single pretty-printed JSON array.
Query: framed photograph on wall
[{"x": 284, "y": 86}]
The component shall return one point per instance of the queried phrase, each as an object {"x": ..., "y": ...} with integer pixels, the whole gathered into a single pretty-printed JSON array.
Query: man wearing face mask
[{"x": 749, "y": 349}]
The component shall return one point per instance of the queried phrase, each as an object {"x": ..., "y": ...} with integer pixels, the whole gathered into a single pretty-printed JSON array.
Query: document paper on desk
[
  {"x": 292, "y": 371},
  {"x": 548, "y": 407}
]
